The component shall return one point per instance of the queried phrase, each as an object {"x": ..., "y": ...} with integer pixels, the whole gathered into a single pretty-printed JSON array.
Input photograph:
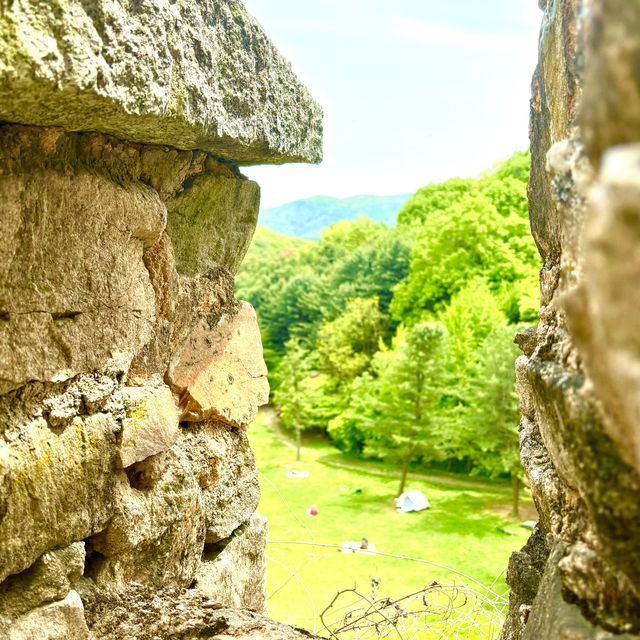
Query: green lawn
[{"x": 462, "y": 530}]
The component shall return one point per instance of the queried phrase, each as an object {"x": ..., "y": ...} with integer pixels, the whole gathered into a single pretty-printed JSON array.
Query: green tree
[
  {"x": 434, "y": 197},
  {"x": 492, "y": 410},
  {"x": 400, "y": 411},
  {"x": 295, "y": 393},
  {"x": 346, "y": 345},
  {"x": 471, "y": 228},
  {"x": 466, "y": 241},
  {"x": 469, "y": 317}
]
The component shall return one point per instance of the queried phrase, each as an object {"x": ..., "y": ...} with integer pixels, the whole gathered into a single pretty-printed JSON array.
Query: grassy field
[{"x": 467, "y": 527}]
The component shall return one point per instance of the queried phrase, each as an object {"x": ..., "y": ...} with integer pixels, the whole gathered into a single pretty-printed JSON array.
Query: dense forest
[{"x": 398, "y": 342}]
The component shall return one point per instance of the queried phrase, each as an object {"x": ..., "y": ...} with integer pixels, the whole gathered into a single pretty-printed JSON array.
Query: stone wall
[
  {"x": 578, "y": 577},
  {"x": 128, "y": 371}
]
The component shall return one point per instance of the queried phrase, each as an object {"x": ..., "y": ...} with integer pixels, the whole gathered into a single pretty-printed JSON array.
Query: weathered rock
[
  {"x": 610, "y": 109},
  {"x": 212, "y": 222},
  {"x": 604, "y": 316},
  {"x": 61, "y": 620},
  {"x": 58, "y": 403},
  {"x": 225, "y": 469},
  {"x": 59, "y": 488},
  {"x": 151, "y": 425},
  {"x": 146, "y": 614},
  {"x": 211, "y": 79},
  {"x": 553, "y": 617},
  {"x": 559, "y": 506},
  {"x": 156, "y": 533},
  {"x": 523, "y": 389},
  {"x": 49, "y": 579},
  {"x": 232, "y": 571},
  {"x": 554, "y": 98},
  {"x": 180, "y": 305},
  {"x": 89, "y": 308},
  {"x": 220, "y": 372},
  {"x": 96, "y": 321},
  {"x": 527, "y": 340},
  {"x": 580, "y": 381},
  {"x": 523, "y": 577}
]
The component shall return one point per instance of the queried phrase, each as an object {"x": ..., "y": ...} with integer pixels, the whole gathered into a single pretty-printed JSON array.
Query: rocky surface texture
[
  {"x": 578, "y": 577},
  {"x": 128, "y": 371},
  {"x": 191, "y": 75}
]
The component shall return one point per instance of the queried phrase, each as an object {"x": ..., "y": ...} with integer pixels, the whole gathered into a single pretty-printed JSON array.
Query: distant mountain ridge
[{"x": 309, "y": 217}]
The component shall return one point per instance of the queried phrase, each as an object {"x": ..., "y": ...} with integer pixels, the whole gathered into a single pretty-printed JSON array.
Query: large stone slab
[
  {"x": 75, "y": 295},
  {"x": 220, "y": 372},
  {"x": 58, "y": 488},
  {"x": 193, "y": 75}
]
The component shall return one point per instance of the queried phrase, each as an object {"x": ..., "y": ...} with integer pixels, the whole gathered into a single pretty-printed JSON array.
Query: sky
[{"x": 413, "y": 91}]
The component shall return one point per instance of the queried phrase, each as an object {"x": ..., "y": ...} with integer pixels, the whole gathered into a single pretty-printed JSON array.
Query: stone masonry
[
  {"x": 128, "y": 371},
  {"x": 578, "y": 577}
]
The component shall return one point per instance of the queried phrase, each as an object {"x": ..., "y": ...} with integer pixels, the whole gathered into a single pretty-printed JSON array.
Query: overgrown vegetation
[{"x": 397, "y": 342}]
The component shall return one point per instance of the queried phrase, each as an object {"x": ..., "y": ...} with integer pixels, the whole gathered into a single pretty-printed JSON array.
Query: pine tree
[{"x": 400, "y": 411}]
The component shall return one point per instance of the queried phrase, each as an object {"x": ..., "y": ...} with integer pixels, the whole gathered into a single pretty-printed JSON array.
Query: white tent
[{"x": 412, "y": 500}]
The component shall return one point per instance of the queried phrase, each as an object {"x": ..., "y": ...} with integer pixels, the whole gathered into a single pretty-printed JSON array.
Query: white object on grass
[
  {"x": 355, "y": 546},
  {"x": 412, "y": 500},
  {"x": 294, "y": 473}
]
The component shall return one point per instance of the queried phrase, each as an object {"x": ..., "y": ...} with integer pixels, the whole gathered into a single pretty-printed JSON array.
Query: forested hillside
[
  {"x": 398, "y": 342},
  {"x": 309, "y": 217}
]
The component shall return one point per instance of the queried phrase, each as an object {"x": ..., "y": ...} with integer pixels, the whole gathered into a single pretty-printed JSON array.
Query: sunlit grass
[{"x": 462, "y": 530}]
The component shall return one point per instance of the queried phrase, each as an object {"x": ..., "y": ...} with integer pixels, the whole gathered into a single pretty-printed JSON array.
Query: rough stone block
[
  {"x": 150, "y": 614},
  {"x": 58, "y": 488},
  {"x": 220, "y": 372},
  {"x": 212, "y": 222},
  {"x": 235, "y": 574},
  {"x": 151, "y": 425},
  {"x": 523, "y": 389},
  {"x": 610, "y": 343},
  {"x": 181, "y": 303},
  {"x": 62, "y": 620},
  {"x": 71, "y": 245},
  {"x": 156, "y": 533},
  {"x": 610, "y": 108},
  {"x": 553, "y": 617},
  {"x": 211, "y": 79},
  {"x": 554, "y": 98},
  {"x": 49, "y": 579},
  {"x": 224, "y": 466}
]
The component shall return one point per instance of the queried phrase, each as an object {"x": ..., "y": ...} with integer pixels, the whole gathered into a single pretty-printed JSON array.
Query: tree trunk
[
  {"x": 515, "y": 484},
  {"x": 449, "y": 464},
  {"x": 403, "y": 477},
  {"x": 298, "y": 442}
]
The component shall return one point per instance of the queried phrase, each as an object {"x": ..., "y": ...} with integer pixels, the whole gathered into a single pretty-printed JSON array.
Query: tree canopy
[{"x": 397, "y": 342}]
